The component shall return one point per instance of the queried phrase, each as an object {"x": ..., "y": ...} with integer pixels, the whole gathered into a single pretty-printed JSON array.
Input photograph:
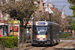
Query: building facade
[{"x": 3, "y": 25}]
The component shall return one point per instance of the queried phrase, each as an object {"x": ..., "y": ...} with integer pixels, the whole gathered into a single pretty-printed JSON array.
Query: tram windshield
[{"x": 41, "y": 30}]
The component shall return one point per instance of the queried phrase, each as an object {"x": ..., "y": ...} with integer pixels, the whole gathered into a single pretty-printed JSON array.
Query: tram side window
[
  {"x": 48, "y": 30},
  {"x": 57, "y": 29},
  {"x": 54, "y": 30}
]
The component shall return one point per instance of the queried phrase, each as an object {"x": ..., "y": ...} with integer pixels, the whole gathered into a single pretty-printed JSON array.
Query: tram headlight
[
  {"x": 35, "y": 31},
  {"x": 37, "y": 38},
  {"x": 43, "y": 38}
]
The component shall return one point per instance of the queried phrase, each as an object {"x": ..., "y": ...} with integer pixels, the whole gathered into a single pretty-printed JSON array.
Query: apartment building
[
  {"x": 6, "y": 29},
  {"x": 40, "y": 4},
  {"x": 46, "y": 7}
]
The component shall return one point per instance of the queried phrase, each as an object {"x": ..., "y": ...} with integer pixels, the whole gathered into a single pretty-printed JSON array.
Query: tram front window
[{"x": 41, "y": 30}]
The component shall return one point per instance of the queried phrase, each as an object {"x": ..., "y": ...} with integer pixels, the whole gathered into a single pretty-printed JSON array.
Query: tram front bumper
[{"x": 41, "y": 42}]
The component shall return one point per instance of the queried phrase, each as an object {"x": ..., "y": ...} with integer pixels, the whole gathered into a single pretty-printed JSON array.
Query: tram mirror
[{"x": 35, "y": 31}]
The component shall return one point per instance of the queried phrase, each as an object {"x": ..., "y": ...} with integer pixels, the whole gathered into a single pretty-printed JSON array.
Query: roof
[
  {"x": 53, "y": 9},
  {"x": 48, "y": 10}
]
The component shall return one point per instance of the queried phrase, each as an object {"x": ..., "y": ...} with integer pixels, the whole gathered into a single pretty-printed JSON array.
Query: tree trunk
[{"x": 22, "y": 34}]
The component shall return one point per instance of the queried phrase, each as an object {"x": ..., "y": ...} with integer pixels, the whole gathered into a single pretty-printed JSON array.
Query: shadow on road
[
  {"x": 68, "y": 49},
  {"x": 45, "y": 45}
]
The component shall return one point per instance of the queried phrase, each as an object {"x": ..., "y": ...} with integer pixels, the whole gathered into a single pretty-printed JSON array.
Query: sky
[{"x": 60, "y": 4}]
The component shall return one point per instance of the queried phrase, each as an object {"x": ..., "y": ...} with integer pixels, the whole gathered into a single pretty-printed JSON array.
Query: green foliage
[
  {"x": 10, "y": 41},
  {"x": 72, "y": 7},
  {"x": 60, "y": 35},
  {"x": 72, "y": 25},
  {"x": 69, "y": 16},
  {"x": 21, "y": 45},
  {"x": 72, "y": 2},
  {"x": 64, "y": 35},
  {"x": 20, "y": 9}
]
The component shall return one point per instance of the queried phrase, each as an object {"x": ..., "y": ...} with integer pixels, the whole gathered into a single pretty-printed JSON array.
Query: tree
[
  {"x": 72, "y": 25},
  {"x": 38, "y": 16},
  {"x": 56, "y": 17},
  {"x": 20, "y": 9},
  {"x": 72, "y": 6},
  {"x": 64, "y": 24},
  {"x": 72, "y": 3},
  {"x": 41, "y": 16}
]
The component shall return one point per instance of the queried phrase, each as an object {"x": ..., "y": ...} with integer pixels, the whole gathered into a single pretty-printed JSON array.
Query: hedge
[
  {"x": 10, "y": 41},
  {"x": 64, "y": 35}
]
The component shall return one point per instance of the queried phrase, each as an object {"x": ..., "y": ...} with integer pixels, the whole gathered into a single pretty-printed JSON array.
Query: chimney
[{"x": 41, "y": 5}]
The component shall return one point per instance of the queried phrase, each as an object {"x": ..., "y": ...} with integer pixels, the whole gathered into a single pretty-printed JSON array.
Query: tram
[{"x": 45, "y": 32}]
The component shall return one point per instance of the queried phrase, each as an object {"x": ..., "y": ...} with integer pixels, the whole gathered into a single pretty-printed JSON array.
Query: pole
[
  {"x": 31, "y": 29},
  {"x": 50, "y": 16}
]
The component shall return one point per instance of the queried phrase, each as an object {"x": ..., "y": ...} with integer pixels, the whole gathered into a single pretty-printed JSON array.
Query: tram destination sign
[{"x": 41, "y": 23}]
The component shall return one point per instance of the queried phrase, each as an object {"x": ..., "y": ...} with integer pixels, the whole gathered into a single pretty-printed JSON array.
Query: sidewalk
[{"x": 24, "y": 45}]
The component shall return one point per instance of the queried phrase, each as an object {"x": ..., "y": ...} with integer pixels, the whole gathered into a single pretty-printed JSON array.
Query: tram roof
[{"x": 49, "y": 22}]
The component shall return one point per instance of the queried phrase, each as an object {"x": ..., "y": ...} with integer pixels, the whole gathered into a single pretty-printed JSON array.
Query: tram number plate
[{"x": 41, "y": 38}]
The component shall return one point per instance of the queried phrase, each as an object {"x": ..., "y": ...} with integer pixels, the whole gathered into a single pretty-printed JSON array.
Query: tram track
[
  {"x": 68, "y": 45},
  {"x": 44, "y": 48},
  {"x": 60, "y": 46},
  {"x": 28, "y": 48},
  {"x": 35, "y": 48}
]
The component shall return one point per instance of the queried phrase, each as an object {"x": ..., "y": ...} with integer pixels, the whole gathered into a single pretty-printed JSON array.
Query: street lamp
[
  {"x": 50, "y": 16},
  {"x": 49, "y": 11}
]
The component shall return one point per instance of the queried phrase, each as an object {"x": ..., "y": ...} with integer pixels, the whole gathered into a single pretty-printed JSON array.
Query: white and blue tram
[{"x": 45, "y": 32}]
